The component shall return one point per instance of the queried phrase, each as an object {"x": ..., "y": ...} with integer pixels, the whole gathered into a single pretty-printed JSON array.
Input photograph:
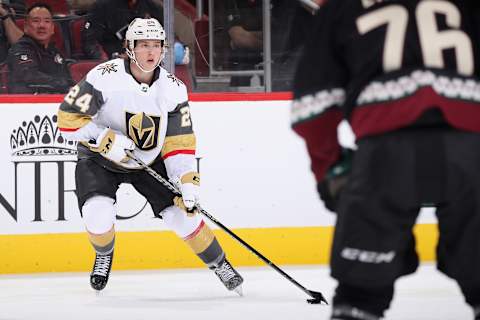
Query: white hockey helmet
[{"x": 143, "y": 29}]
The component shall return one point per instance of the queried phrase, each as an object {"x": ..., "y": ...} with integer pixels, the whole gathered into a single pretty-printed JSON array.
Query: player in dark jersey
[{"x": 405, "y": 74}]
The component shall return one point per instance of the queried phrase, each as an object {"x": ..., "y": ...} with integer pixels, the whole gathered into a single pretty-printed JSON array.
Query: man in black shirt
[
  {"x": 35, "y": 65},
  {"x": 108, "y": 22},
  {"x": 240, "y": 46}
]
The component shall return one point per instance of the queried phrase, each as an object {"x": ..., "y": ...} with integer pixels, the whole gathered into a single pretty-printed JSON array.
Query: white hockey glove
[
  {"x": 189, "y": 186},
  {"x": 112, "y": 145}
]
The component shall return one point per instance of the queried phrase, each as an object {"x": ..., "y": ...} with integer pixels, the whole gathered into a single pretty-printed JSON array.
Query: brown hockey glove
[{"x": 335, "y": 180}]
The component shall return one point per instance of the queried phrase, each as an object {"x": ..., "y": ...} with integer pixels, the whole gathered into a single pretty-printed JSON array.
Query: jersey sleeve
[
  {"x": 178, "y": 150},
  {"x": 76, "y": 111},
  {"x": 319, "y": 93}
]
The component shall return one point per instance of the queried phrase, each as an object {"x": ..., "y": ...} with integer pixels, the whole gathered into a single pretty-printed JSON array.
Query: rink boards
[{"x": 255, "y": 180}]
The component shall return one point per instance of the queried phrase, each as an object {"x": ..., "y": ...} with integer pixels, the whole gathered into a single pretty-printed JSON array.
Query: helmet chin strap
[{"x": 132, "y": 57}]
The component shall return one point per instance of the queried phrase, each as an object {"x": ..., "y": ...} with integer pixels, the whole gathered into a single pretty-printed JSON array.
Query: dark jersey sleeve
[
  {"x": 319, "y": 92},
  {"x": 81, "y": 103}
]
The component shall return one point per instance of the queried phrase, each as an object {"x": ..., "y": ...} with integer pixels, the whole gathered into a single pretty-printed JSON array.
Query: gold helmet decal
[{"x": 143, "y": 129}]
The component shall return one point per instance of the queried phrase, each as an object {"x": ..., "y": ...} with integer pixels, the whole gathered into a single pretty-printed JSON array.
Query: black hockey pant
[{"x": 393, "y": 175}]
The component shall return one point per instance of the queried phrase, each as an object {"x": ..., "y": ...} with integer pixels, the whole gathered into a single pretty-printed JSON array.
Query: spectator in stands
[
  {"x": 10, "y": 33},
  {"x": 35, "y": 65},
  {"x": 108, "y": 21},
  {"x": 243, "y": 21},
  {"x": 292, "y": 25}
]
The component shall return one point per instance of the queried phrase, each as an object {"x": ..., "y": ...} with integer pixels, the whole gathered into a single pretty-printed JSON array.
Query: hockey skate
[
  {"x": 101, "y": 271},
  {"x": 229, "y": 276}
]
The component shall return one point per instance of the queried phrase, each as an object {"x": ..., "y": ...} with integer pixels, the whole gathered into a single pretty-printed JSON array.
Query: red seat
[
  {"x": 59, "y": 7},
  {"x": 58, "y": 38},
  {"x": 182, "y": 73},
  {"x": 76, "y": 29},
  {"x": 3, "y": 78},
  {"x": 79, "y": 70}
]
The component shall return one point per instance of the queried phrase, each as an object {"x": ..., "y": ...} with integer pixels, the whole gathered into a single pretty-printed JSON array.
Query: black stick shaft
[
  {"x": 254, "y": 251},
  {"x": 172, "y": 188}
]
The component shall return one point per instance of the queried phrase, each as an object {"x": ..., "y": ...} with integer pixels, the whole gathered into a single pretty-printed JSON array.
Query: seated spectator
[
  {"x": 292, "y": 23},
  {"x": 108, "y": 21},
  {"x": 243, "y": 25},
  {"x": 10, "y": 33},
  {"x": 35, "y": 65},
  {"x": 242, "y": 22}
]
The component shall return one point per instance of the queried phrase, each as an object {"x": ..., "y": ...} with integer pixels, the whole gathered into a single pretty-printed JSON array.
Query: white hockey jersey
[{"x": 156, "y": 117}]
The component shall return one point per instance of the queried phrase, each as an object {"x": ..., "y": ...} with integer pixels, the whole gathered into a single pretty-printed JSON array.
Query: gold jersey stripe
[
  {"x": 102, "y": 240},
  {"x": 70, "y": 120},
  {"x": 201, "y": 240},
  {"x": 179, "y": 142}
]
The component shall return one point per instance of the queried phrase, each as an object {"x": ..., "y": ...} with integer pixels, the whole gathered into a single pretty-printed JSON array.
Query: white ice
[{"x": 197, "y": 294}]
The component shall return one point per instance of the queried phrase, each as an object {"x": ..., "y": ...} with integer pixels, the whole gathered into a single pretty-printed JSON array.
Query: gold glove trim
[
  {"x": 106, "y": 144},
  {"x": 191, "y": 177},
  {"x": 178, "y": 201}
]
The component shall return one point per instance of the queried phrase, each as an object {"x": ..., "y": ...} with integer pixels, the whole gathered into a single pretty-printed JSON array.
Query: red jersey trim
[
  {"x": 388, "y": 116},
  {"x": 173, "y": 153},
  {"x": 194, "y": 233},
  {"x": 68, "y": 129}
]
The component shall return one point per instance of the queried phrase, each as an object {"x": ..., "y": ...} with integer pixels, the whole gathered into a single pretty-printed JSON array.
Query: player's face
[
  {"x": 39, "y": 25},
  {"x": 148, "y": 52}
]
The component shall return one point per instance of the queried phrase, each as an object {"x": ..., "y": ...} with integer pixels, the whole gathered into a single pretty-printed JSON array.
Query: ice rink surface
[{"x": 198, "y": 294}]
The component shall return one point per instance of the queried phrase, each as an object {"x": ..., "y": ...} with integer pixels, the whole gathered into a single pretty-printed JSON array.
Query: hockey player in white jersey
[{"x": 135, "y": 104}]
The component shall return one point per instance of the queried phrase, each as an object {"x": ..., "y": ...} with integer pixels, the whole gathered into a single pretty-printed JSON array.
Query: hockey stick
[{"x": 317, "y": 297}]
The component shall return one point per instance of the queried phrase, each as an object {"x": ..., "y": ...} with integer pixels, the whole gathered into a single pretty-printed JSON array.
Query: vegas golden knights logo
[{"x": 143, "y": 129}]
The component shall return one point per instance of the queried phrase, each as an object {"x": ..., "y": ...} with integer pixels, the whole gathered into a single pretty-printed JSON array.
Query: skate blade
[{"x": 239, "y": 290}]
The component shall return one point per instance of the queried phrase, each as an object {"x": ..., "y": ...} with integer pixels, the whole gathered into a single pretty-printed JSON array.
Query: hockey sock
[
  {"x": 205, "y": 245},
  {"x": 103, "y": 243}
]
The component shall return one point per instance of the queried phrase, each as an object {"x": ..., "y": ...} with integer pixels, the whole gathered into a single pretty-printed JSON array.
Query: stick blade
[{"x": 317, "y": 298}]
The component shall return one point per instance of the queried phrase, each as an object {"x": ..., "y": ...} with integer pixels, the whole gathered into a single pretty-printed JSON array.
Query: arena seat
[
  {"x": 183, "y": 73},
  {"x": 79, "y": 70}
]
